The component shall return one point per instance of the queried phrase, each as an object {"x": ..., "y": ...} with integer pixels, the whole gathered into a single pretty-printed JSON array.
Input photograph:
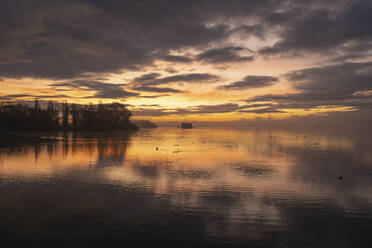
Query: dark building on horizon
[{"x": 186, "y": 125}]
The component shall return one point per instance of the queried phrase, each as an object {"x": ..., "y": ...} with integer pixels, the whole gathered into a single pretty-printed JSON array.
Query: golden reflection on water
[
  {"x": 200, "y": 150},
  {"x": 242, "y": 176},
  {"x": 171, "y": 160}
]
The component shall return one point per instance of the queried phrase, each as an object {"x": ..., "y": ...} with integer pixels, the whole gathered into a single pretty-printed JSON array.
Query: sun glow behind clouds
[
  {"x": 198, "y": 64},
  {"x": 164, "y": 106}
]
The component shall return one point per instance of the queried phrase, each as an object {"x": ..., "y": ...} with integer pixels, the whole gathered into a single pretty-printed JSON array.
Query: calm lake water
[{"x": 201, "y": 187}]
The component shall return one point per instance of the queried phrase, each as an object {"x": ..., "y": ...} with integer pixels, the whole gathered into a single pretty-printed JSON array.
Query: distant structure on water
[{"x": 186, "y": 125}]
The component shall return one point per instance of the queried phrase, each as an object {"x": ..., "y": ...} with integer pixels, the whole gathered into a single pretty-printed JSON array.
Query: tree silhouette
[
  {"x": 65, "y": 115},
  {"x": 73, "y": 117}
]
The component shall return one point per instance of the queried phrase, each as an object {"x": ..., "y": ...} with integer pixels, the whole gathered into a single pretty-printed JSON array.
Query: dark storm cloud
[
  {"x": 345, "y": 84},
  {"x": 250, "y": 82},
  {"x": 157, "y": 89},
  {"x": 257, "y": 105},
  {"x": 343, "y": 79},
  {"x": 146, "y": 77},
  {"x": 245, "y": 31},
  {"x": 174, "y": 58},
  {"x": 103, "y": 90},
  {"x": 262, "y": 111},
  {"x": 147, "y": 82},
  {"x": 153, "y": 78},
  {"x": 154, "y": 96},
  {"x": 73, "y": 39},
  {"x": 54, "y": 39},
  {"x": 171, "y": 70},
  {"x": 339, "y": 26},
  {"x": 224, "y": 55},
  {"x": 150, "y": 82},
  {"x": 149, "y": 105},
  {"x": 67, "y": 39}
]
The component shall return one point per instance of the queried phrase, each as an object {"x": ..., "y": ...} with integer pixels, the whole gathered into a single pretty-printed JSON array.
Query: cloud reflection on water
[{"x": 242, "y": 185}]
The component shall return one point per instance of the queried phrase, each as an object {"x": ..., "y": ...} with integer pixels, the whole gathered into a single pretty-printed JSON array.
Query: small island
[{"x": 186, "y": 125}]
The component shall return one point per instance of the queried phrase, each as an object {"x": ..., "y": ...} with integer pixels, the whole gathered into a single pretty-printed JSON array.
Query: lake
[{"x": 204, "y": 187}]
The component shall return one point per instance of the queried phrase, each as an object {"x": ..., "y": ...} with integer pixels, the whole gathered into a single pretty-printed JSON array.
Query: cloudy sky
[{"x": 197, "y": 60}]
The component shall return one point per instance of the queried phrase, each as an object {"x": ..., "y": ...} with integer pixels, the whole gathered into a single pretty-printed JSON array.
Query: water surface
[{"x": 199, "y": 187}]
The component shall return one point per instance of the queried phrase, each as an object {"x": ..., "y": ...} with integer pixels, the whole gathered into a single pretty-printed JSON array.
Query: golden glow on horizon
[{"x": 194, "y": 93}]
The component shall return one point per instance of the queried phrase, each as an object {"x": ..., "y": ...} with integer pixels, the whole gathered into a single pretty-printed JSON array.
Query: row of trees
[{"x": 73, "y": 117}]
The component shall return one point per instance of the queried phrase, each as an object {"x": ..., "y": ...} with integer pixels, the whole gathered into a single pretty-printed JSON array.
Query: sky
[{"x": 206, "y": 61}]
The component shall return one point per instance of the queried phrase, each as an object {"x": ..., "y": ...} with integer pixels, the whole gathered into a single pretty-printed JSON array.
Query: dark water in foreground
[{"x": 202, "y": 187}]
